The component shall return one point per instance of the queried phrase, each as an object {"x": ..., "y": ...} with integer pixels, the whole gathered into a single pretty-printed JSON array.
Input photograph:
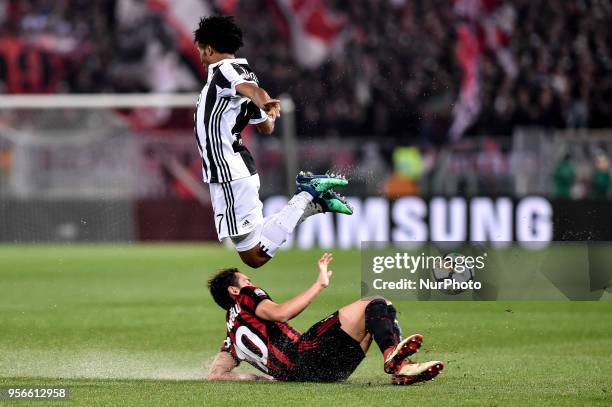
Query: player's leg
[
  {"x": 377, "y": 317},
  {"x": 313, "y": 196},
  {"x": 366, "y": 342},
  {"x": 251, "y": 254},
  {"x": 257, "y": 248},
  {"x": 310, "y": 188},
  {"x": 332, "y": 348}
]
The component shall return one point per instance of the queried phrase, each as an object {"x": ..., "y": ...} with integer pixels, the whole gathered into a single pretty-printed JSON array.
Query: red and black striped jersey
[{"x": 267, "y": 345}]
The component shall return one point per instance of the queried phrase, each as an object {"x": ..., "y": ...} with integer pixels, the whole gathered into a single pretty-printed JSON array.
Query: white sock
[
  {"x": 312, "y": 209},
  {"x": 277, "y": 227}
]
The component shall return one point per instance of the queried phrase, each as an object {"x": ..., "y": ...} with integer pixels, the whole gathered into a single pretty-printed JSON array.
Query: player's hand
[
  {"x": 272, "y": 108},
  {"x": 324, "y": 273}
]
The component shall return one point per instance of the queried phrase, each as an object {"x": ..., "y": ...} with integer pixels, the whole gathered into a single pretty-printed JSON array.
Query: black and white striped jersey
[{"x": 220, "y": 116}]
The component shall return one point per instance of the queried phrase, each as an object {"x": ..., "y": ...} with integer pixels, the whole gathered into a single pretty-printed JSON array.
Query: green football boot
[
  {"x": 316, "y": 185},
  {"x": 331, "y": 201}
]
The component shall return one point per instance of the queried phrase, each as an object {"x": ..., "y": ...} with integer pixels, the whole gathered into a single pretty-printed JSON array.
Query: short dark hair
[
  {"x": 218, "y": 285},
  {"x": 221, "y": 33}
]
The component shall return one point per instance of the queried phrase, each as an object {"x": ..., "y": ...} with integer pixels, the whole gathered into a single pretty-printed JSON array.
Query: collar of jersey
[{"x": 230, "y": 60}]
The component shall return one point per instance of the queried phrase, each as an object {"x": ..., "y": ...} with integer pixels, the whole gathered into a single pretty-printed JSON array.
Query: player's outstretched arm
[
  {"x": 272, "y": 311},
  {"x": 222, "y": 367}
]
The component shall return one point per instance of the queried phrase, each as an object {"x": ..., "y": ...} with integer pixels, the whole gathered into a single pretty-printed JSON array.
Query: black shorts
[{"x": 325, "y": 353}]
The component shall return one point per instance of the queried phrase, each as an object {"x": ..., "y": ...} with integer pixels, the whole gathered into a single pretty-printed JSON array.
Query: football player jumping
[{"x": 229, "y": 101}]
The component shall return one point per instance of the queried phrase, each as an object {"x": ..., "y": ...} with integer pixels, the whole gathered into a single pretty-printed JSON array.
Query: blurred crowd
[
  {"x": 576, "y": 178},
  {"x": 81, "y": 46},
  {"x": 397, "y": 75},
  {"x": 564, "y": 59},
  {"x": 60, "y": 46},
  {"x": 392, "y": 74}
]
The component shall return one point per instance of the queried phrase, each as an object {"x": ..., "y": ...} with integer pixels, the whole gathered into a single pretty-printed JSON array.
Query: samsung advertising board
[{"x": 499, "y": 220}]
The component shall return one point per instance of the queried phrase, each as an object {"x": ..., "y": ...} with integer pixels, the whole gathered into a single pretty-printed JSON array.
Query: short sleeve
[
  {"x": 251, "y": 297},
  {"x": 256, "y": 114},
  {"x": 233, "y": 77}
]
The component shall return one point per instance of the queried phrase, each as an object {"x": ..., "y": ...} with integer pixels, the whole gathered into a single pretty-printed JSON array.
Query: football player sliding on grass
[{"x": 330, "y": 351}]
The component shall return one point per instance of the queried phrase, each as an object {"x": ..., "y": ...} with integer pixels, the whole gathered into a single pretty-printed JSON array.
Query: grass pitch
[{"x": 134, "y": 325}]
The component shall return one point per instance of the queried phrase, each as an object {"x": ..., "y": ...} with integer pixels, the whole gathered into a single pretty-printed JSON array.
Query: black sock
[
  {"x": 397, "y": 330},
  {"x": 379, "y": 323}
]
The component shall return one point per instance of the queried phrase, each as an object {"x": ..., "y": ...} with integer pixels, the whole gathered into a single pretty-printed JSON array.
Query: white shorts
[{"x": 238, "y": 210}]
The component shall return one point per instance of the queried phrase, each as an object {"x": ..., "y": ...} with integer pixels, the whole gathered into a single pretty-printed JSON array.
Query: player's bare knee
[
  {"x": 254, "y": 257},
  {"x": 249, "y": 262},
  {"x": 259, "y": 261},
  {"x": 252, "y": 261}
]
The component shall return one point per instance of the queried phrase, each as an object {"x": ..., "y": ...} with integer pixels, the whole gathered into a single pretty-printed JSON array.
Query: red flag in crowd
[
  {"x": 484, "y": 26},
  {"x": 312, "y": 29}
]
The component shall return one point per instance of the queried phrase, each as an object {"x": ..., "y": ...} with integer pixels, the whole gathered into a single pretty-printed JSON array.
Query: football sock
[
  {"x": 278, "y": 227},
  {"x": 311, "y": 209},
  {"x": 397, "y": 330},
  {"x": 380, "y": 324}
]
